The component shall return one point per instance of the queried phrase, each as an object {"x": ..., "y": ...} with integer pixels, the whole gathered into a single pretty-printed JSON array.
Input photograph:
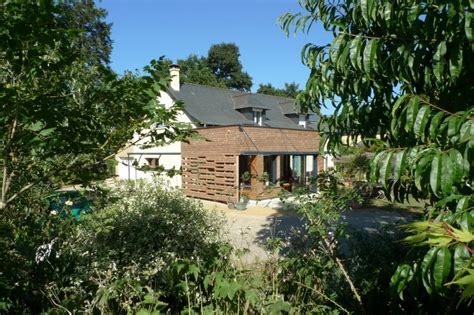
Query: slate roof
[{"x": 220, "y": 107}]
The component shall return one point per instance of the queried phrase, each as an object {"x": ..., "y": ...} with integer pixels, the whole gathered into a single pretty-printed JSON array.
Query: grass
[{"x": 412, "y": 206}]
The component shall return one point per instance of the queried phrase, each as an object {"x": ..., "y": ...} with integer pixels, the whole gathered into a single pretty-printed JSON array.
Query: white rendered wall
[{"x": 169, "y": 155}]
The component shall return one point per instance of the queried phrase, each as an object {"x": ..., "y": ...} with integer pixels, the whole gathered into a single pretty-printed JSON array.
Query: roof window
[{"x": 258, "y": 117}]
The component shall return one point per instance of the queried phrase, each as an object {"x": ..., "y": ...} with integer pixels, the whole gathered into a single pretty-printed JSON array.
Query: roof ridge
[
  {"x": 214, "y": 87},
  {"x": 242, "y": 93},
  {"x": 275, "y": 96}
]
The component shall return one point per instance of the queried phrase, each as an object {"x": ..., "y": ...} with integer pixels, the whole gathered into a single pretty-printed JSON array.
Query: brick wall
[{"x": 210, "y": 164}]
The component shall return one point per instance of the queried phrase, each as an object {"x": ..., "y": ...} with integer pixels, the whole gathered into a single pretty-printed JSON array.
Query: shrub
[
  {"x": 127, "y": 250},
  {"x": 30, "y": 235}
]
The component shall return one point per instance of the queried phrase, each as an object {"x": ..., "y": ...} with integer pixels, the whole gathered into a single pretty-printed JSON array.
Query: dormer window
[
  {"x": 303, "y": 121},
  {"x": 258, "y": 116}
]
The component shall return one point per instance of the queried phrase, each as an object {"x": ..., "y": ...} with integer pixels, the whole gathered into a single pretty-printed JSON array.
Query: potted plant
[
  {"x": 242, "y": 204},
  {"x": 264, "y": 178},
  {"x": 245, "y": 178}
]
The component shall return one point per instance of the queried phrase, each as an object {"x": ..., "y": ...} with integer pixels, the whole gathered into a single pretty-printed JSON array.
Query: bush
[
  {"x": 128, "y": 249},
  {"x": 29, "y": 238}
]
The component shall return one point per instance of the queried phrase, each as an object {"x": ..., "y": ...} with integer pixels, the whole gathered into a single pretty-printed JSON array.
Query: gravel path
[{"x": 250, "y": 229}]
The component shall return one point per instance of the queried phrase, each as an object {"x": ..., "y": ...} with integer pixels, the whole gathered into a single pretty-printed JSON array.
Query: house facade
[{"x": 251, "y": 145}]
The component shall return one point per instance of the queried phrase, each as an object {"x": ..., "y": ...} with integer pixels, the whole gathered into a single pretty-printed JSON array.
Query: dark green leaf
[
  {"x": 426, "y": 264},
  {"x": 468, "y": 25},
  {"x": 400, "y": 164},
  {"x": 455, "y": 62},
  {"x": 355, "y": 52},
  {"x": 374, "y": 166},
  {"x": 461, "y": 258},
  {"x": 386, "y": 169},
  {"x": 421, "y": 121},
  {"x": 421, "y": 169},
  {"x": 457, "y": 164},
  {"x": 435, "y": 174},
  {"x": 442, "y": 267},
  {"x": 412, "y": 111},
  {"x": 370, "y": 55},
  {"x": 439, "y": 62},
  {"x": 448, "y": 176},
  {"x": 434, "y": 125}
]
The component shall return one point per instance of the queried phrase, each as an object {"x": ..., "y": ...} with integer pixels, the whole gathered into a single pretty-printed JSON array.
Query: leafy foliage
[
  {"x": 195, "y": 69},
  {"x": 402, "y": 71},
  {"x": 88, "y": 19},
  {"x": 290, "y": 90},
  {"x": 61, "y": 117},
  {"x": 221, "y": 68},
  {"x": 223, "y": 60},
  {"x": 136, "y": 240}
]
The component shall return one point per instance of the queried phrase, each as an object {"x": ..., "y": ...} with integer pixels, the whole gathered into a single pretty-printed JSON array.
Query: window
[
  {"x": 269, "y": 167},
  {"x": 153, "y": 162},
  {"x": 303, "y": 121},
  {"x": 258, "y": 117}
]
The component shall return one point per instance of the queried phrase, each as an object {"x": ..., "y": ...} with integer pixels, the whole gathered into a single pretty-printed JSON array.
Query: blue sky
[{"x": 146, "y": 29}]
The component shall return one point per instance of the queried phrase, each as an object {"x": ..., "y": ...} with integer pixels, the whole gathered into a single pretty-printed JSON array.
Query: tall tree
[
  {"x": 85, "y": 17},
  {"x": 290, "y": 90},
  {"x": 61, "y": 118},
  {"x": 195, "y": 69},
  {"x": 403, "y": 70},
  {"x": 223, "y": 60}
]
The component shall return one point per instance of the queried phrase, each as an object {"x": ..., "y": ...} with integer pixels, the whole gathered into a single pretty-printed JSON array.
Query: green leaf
[
  {"x": 454, "y": 122},
  {"x": 47, "y": 132},
  {"x": 455, "y": 62},
  {"x": 447, "y": 174},
  {"x": 386, "y": 169},
  {"x": 412, "y": 110},
  {"x": 336, "y": 48},
  {"x": 421, "y": 121},
  {"x": 468, "y": 18},
  {"x": 413, "y": 13},
  {"x": 467, "y": 130},
  {"x": 435, "y": 174},
  {"x": 400, "y": 164},
  {"x": 355, "y": 52},
  {"x": 342, "y": 60},
  {"x": 366, "y": 8},
  {"x": 442, "y": 267},
  {"x": 440, "y": 51},
  {"x": 457, "y": 164},
  {"x": 278, "y": 307},
  {"x": 462, "y": 204},
  {"x": 434, "y": 125},
  {"x": 439, "y": 62},
  {"x": 36, "y": 126},
  {"x": 370, "y": 55},
  {"x": 387, "y": 13},
  {"x": 400, "y": 101},
  {"x": 374, "y": 166},
  {"x": 426, "y": 264},
  {"x": 401, "y": 278},
  {"x": 421, "y": 168}
]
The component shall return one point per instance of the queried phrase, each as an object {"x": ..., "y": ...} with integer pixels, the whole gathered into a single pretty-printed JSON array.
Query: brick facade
[{"x": 210, "y": 164}]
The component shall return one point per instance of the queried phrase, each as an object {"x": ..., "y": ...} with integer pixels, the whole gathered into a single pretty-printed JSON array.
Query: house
[{"x": 249, "y": 144}]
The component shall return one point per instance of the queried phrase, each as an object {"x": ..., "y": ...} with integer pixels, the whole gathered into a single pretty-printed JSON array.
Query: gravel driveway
[{"x": 250, "y": 229}]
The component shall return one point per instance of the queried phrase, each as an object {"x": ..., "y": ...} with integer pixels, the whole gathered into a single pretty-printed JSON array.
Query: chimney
[{"x": 174, "y": 73}]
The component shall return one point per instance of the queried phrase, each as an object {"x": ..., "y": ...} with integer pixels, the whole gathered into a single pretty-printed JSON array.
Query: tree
[
  {"x": 290, "y": 90},
  {"x": 402, "y": 70},
  {"x": 195, "y": 69},
  {"x": 223, "y": 60},
  {"x": 85, "y": 17},
  {"x": 61, "y": 117},
  {"x": 221, "y": 68}
]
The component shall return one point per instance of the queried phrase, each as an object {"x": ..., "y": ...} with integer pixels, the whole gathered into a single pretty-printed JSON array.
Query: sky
[{"x": 143, "y": 30}]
